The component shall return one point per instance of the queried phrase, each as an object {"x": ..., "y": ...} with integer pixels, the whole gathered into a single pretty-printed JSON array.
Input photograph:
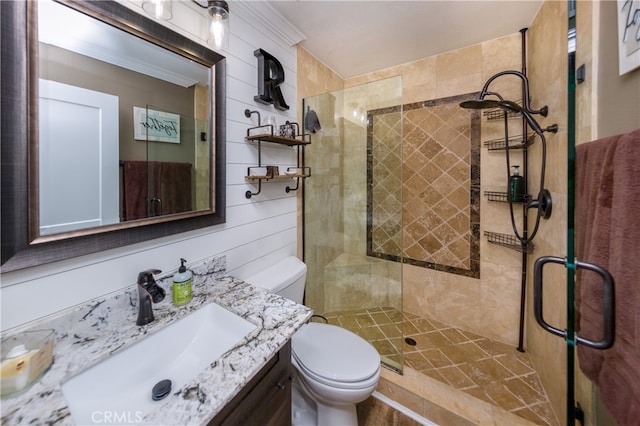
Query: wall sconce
[
  {"x": 219, "y": 27},
  {"x": 159, "y": 9}
]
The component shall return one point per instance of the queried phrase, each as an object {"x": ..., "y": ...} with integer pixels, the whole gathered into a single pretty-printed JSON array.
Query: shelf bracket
[
  {"x": 248, "y": 112},
  {"x": 289, "y": 189},
  {"x": 250, "y": 194}
]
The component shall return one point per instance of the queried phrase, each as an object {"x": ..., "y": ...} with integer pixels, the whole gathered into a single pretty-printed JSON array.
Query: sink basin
[{"x": 119, "y": 388}]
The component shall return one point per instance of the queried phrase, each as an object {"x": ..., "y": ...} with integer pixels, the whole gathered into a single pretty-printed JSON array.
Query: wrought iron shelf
[
  {"x": 503, "y": 197},
  {"x": 291, "y": 173},
  {"x": 509, "y": 241},
  {"x": 265, "y": 133},
  {"x": 515, "y": 142},
  {"x": 270, "y": 137}
]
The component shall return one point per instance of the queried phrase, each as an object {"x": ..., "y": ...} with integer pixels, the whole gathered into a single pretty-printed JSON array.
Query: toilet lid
[{"x": 334, "y": 353}]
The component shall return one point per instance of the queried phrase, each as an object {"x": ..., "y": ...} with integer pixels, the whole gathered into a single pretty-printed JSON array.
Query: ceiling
[{"x": 358, "y": 37}]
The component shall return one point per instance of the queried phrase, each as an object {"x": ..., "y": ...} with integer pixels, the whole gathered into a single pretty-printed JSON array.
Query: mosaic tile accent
[{"x": 423, "y": 182}]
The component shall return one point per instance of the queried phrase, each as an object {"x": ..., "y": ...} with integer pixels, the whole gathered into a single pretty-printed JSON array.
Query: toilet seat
[{"x": 335, "y": 356}]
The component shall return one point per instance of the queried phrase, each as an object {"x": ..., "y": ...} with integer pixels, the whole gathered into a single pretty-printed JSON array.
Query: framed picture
[
  {"x": 628, "y": 35},
  {"x": 155, "y": 126}
]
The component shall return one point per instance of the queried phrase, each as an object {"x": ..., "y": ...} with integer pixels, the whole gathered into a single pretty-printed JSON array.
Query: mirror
[{"x": 115, "y": 132}]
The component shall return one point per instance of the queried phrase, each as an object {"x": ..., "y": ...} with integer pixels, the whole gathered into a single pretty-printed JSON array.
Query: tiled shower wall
[{"x": 437, "y": 169}]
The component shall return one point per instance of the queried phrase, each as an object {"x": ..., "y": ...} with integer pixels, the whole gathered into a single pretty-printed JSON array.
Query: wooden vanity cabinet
[{"x": 266, "y": 400}]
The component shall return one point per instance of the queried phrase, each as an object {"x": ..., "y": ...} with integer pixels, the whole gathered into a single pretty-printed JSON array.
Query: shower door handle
[{"x": 608, "y": 310}]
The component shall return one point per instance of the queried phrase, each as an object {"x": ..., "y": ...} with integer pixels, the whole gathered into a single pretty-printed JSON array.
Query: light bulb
[
  {"x": 159, "y": 9},
  {"x": 219, "y": 27},
  {"x": 217, "y": 31}
]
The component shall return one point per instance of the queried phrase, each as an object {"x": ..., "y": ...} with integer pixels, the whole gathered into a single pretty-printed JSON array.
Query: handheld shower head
[{"x": 510, "y": 105}]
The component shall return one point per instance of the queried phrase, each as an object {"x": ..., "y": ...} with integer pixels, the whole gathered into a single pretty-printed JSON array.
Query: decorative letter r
[{"x": 270, "y": 76}]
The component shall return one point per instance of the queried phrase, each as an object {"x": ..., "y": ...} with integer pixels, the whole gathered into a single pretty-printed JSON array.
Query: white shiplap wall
[{"x": 258, "y": 231}]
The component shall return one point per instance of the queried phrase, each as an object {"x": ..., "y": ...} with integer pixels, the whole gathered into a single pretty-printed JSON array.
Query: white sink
[{"x": 118, "y": 389}]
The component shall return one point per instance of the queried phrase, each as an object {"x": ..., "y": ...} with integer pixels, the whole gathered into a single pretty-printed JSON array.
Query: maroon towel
[
  {"x": 135, "y": 177},
  {"x": 173, "y": 187},
  {"x": 608, "y": 234}
]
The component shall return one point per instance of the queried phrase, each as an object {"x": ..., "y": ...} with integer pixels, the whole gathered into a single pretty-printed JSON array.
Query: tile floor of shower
[{"x": 486, "y": 369}]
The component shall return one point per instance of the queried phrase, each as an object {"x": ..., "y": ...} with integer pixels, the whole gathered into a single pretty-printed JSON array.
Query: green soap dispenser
[
  {"x": 516, "y": 186},
  {"x": 182, "y": 281}
]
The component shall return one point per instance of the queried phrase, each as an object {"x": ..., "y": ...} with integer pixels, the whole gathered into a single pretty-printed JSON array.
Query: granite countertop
[{"x": 87, "y": 334}]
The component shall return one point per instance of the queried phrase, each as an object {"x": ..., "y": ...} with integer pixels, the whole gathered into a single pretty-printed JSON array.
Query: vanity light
[
  {"x": 219, "y": 27},
  {"x": 159, "y": 9}
]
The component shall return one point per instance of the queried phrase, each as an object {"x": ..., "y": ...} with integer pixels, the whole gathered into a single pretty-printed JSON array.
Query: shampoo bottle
[
  {"x": 182, "y": 281},
  {"x": 516, "y": 186}
]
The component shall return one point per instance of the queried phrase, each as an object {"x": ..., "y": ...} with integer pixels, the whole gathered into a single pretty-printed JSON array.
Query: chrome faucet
[{"x": 148, "y": 291}]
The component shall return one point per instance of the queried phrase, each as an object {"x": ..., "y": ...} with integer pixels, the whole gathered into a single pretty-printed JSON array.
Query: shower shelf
[
  {"x": 498, "y": 113},
  {"x": 509, "y": 241},
  {"x": 503, "y": 197},
  {"x": 515, "y": 142}
]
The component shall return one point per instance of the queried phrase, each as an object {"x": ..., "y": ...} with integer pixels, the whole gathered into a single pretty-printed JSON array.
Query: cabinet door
[{"x": 266, "y": 400}]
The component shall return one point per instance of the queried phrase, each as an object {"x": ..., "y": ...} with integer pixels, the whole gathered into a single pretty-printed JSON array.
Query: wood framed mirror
[{"x": 38, "y": 204}]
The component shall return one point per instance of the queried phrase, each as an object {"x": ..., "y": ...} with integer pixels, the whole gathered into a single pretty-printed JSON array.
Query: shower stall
[{"x": 395, "y": 195}]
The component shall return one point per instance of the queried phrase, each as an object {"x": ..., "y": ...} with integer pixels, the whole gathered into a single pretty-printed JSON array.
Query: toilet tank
[{"x": 286, "y": 278}]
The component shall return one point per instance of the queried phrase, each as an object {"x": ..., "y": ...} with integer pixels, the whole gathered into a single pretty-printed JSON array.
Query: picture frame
[
  {"x": 628, "y": 12},
  {"x": 155, "y": 126}
]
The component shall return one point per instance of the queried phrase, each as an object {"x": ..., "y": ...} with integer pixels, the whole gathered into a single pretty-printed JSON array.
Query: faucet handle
[
  {"x": 146, "y": 277},
  {"x": 146, "y": 280}
]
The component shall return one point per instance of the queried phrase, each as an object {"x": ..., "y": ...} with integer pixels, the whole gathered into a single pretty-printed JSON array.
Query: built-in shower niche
[{"x": 434, "y": 176}]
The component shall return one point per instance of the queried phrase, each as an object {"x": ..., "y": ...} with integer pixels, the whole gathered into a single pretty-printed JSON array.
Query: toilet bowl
[{"x": 335, "y": 368}]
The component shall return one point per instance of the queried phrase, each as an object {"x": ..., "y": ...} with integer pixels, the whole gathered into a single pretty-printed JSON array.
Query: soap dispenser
[
  {"x": 516, "y": 185},
  {"x": 182, "y": 282}
]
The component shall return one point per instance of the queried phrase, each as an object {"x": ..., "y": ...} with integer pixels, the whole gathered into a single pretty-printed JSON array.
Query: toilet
[{"x": 335, "y": 368}]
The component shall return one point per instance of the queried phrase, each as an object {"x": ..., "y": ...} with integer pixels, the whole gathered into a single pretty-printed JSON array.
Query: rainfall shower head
[{"x": 480, "y": 104}]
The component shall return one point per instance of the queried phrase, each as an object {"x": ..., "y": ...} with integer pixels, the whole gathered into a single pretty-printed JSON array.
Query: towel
[
  {"x": 608, "y": 234},
  {"x": 134, "y": 176},
  {"x": 173, "y": 187},
  {"x": 311, "y": 122}
]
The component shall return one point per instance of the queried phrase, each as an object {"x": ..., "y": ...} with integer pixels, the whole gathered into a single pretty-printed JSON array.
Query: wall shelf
[
  {"x": 304, "y": 173},
  {"x": 265, "y": 133},
  {"x": 268, "y": 137}
]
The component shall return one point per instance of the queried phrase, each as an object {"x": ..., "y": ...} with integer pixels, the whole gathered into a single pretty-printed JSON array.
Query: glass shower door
[{"x": 353, "y": 213}]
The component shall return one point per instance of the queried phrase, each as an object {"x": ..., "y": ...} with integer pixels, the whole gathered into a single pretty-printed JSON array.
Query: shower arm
[{"x": 525, "y": 89}]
